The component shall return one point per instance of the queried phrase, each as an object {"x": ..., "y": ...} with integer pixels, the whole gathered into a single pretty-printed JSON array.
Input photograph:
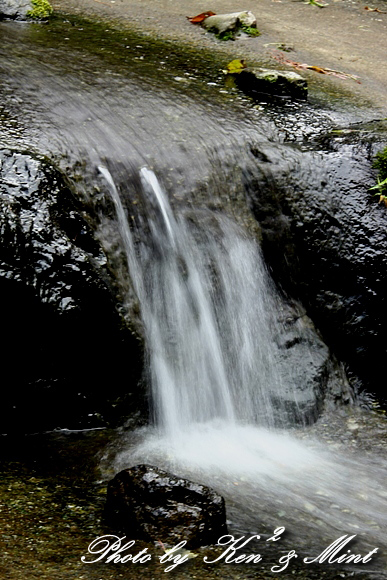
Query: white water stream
[{"x": 206, "y": 302}]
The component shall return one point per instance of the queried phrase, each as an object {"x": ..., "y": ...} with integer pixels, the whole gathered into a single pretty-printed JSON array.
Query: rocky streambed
[{"x": 53, "y": 493}]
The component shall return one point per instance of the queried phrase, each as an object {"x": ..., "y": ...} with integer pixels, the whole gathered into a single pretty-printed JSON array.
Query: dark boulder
[
  {"x": 68, "y": 361},
  {"x": 325, "y": 237},
  {"x": 145, "y": 502},
  {"x": 259, "y": 83}
]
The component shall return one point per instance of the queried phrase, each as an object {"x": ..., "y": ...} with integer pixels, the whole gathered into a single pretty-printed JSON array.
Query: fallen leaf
[
  {"x": 374, "y": 10},
  {"x": 317, "y": 69},
  {"x": 236, "y": 66},
  {"x": 200, "y": 17}
]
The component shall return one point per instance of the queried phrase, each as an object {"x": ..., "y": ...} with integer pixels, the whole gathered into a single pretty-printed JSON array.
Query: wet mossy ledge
[
  {"x": 133, "y": 49},
  {"x": 139, "y": 52},
  {"x": 205, "y": 62}
]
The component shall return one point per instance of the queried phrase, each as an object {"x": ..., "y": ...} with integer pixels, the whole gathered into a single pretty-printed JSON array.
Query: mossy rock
[{"x": 228, "y": 26}]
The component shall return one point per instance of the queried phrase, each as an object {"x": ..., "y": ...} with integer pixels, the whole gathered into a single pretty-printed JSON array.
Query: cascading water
[
  {"x": 207, "y": 305},
  {"x": 208, "y": 308}
]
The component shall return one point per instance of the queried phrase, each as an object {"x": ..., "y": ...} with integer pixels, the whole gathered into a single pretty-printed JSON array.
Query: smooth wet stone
[
  {"x": 146, "y": 502},
  {"x": 258, "y": 82},
  {"x": 312, "y": 379}
]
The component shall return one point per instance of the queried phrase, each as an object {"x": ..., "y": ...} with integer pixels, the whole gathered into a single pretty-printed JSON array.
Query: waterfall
[
  {"x": 207, "y": 306},
  {"x": 209, "y": 313}
]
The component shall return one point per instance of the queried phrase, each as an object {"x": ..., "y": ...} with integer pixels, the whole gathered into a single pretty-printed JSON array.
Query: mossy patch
[
  {"x": 41, "y": 10},
  {"x": 380, "y": 163},
  {"x": 231, "y": 34},
  {"x": 225, "y": 35},
  {"x": 250, "y": 30}
]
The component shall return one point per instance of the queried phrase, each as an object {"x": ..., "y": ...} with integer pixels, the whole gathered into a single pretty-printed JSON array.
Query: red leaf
[{"x": 200, "y": 17}]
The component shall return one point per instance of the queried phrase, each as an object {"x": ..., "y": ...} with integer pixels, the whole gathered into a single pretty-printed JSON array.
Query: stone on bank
[
  {"x": 23, "y": 9},
  {"x": 222, "y": 22},
  {"x": 226, "y": 26}
]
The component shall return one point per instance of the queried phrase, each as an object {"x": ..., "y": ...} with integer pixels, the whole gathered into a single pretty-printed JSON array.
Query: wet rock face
[
  {"x": 16, "y": 9},
  {"x": 312, "y": 378},
  {"x": 64, "y": 353},
  {"x": 325, "y": 238},
  {"x": 145, "y": 502}
]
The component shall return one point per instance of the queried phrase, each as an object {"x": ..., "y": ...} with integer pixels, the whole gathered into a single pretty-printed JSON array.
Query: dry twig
[{"x": 319, "y": 69}]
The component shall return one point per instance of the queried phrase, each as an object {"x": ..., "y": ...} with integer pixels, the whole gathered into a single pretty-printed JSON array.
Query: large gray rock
[
  {"x": 145, "y": 502},
  {"x": 313, "y": 380},
  {"x": 16, "y": 9},
  {"x": 221, "y": 23}
]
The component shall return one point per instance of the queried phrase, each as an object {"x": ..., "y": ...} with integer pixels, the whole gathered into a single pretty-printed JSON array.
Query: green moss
[
  {"x": 271, "y": 78},
  {"x": 250, "y": 30},
  {"x": 380, "y": 163},
  {"x": 225, "y": 35},
  {"x": 231, "y": 34},
  {"x": 41, "y": 10}
]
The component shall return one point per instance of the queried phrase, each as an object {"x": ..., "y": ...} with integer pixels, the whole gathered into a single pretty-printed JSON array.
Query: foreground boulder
[{"x": 145, "y": 502}]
